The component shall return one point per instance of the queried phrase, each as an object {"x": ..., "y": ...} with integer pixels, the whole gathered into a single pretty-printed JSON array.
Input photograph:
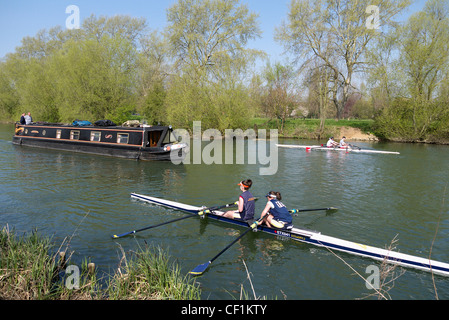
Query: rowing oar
[
  {"x": 307, "y": 210},
  {"x": 199, "y": 213},
  {"x": 355, "y": 147},
  {"x": 200, "y": 269}
]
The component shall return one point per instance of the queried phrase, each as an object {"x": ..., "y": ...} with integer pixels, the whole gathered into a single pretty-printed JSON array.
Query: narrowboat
[{"x": 141, "y": 142}]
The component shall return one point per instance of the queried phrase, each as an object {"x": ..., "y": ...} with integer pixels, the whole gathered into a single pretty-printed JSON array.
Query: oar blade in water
[{"x": 200, "y": 269}]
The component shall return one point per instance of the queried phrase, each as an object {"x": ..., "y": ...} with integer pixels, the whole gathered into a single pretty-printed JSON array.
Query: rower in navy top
[
  {"x": 275, "y": 214},
  {"x": 246, "y": 203}
]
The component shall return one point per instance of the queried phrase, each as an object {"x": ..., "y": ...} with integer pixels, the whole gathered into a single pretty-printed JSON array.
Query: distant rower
[
  {"x": 331, "y": 143},
  {"x": 343, "y": 143}
]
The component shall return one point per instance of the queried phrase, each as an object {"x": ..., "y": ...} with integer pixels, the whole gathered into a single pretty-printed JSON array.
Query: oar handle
[{"x": 210, "y": 209}]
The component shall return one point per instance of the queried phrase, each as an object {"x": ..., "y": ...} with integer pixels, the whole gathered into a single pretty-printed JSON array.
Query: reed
[
  {"x": 29, "y": 271},
  {"x": 26, "y": 269},
  {"x": 149, "y": 274}
]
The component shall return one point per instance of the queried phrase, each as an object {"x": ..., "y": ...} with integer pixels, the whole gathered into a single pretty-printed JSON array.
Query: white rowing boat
[
  {"x": 323, "y": 148},
  {"x": 317, "y": 239}
]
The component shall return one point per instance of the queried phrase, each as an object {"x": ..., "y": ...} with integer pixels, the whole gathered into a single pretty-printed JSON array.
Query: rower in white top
[
  {"x": 331, "y": 143},
  {"x": 343, "y": 143}
]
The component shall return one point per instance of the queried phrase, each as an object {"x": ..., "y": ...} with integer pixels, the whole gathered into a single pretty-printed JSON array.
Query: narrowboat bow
[{"x": 141, "y": 142}]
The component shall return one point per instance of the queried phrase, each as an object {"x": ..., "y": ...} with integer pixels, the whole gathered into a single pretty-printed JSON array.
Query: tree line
[{"x": 201, "y": 67}]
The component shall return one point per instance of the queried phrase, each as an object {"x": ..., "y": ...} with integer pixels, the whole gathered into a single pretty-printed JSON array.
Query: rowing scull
[
  {"x": 317, "y": 239},
  {"x": 323, "y": 148}
]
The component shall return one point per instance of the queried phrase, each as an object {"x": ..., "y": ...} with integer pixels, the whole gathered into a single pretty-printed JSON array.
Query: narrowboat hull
[{"x": 140, "y": 143}]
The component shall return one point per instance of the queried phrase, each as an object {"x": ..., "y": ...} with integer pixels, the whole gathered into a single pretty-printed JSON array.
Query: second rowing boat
[
  {"x": 324, "y": 148},
  {"x": 317, "y": 239}
]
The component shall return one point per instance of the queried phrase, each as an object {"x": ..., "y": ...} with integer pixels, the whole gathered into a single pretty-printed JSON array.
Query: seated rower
[
  {"x": 331, "y": 143},
  {"x": 246, "y": 203},
  {"x": 343, "y": 143},
  {"x": 275, "y": 214}
]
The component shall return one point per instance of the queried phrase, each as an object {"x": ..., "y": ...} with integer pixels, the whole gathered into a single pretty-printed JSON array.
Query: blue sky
[{"x": 21, "y": 18}]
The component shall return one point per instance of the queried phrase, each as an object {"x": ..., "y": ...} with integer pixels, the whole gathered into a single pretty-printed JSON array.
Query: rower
[
  {"x": 246, "y": 203},
  {"x": 343, "y": 143},
  {"x": 331, "y": 143},
  {"x": 275, "y": 214}
]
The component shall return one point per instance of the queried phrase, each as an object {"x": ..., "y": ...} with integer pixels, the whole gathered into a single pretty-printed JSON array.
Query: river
[{"x": 379, "y": 197}]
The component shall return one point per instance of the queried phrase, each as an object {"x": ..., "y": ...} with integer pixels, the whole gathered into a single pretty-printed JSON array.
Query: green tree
[
  {"x": 207, "y": 34},
  {"x": 94, "y": 78},
  {"x": 336, "y": 33},
  {"x": 423, "y": 66},
  {"x": 280, "y": 98},
  {"x": 207, "y": 40},
  {"x": 153, "y": 70},
  {"x": 62, "y": 75},
  {"x": 9, "y": 98},
  {"x": 152, "y": 104}
]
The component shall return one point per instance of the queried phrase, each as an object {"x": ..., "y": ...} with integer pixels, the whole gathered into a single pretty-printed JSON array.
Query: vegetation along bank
[{"x": 33, "y": 268}]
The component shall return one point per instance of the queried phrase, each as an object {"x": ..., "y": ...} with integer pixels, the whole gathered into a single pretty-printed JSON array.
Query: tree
[
  {"x": 384, "y": 74},
  {"x": 316, "y": 28},
  {"x": 207, "y": 40},
  {"x": 423, "y": 66},
  {"x": 318, "y": 93},
  {"x": 9, "y": 99},
  {"x": 425, "y": 48},
  {"x": 207, "y": 34},
  {"x": 94, "y": 78},
  {"x": 62, "y": 75},
  {"x": 279, "y": 99},
  {"x": 153, "y": 70}
]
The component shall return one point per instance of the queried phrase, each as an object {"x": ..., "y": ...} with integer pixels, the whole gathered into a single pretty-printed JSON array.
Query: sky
[{"x": 21, "y": 18}]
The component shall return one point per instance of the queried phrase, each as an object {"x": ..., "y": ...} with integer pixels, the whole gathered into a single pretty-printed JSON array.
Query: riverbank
[
  {"x": 32, "y": 268},
  {"x": 353, "y": 130}
]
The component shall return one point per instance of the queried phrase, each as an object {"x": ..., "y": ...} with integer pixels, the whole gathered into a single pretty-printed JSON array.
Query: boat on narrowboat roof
[{"x": 140, "y": 142}]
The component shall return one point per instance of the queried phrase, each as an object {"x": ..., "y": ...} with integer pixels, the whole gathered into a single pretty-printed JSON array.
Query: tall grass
[
  {"x": 26, "y": 269},
  {"x": 149, "y": 274},
  {"x": 29, "y": 271}
]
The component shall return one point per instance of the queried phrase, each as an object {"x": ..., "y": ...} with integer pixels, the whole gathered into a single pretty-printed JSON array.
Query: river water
[{"x": 379, "y": 197}]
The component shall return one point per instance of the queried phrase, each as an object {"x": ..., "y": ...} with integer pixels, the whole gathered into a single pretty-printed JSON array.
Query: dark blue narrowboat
[{"x": 140, "y": 142}]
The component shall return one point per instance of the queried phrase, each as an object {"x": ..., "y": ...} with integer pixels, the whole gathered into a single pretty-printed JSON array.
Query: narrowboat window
[
  {"x": 122, "y": 138},
  {"x": 95, "y": 136},
  {"x": 170, "y": 137},
  {"x": 58, "y": 134},
  {"x": 74, "y": 135}
]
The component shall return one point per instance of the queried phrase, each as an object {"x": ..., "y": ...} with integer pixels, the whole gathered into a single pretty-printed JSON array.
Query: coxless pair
[{"x": 310, "y": 237}]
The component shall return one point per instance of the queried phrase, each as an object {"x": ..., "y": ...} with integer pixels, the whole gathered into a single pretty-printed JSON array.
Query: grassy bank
[
  {"x": 309, "y": 128},
  {"x": 30, "y": 271}
]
